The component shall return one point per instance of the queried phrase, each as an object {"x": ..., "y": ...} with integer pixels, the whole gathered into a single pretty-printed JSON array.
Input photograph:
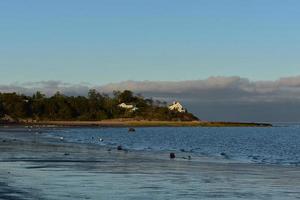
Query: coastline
[
  {"x": 139, "y": 123},
  {"x": 34, "y": 166}
]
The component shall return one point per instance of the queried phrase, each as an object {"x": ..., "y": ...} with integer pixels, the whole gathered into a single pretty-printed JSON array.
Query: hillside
[{"x": 94, "y": 107}]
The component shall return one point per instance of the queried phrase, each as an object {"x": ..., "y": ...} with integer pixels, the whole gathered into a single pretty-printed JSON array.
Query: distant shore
[{"x": 140, "y": 123}]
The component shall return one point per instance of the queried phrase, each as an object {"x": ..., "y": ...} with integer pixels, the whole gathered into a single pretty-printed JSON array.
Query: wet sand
[{"x": 33, "y": 166}]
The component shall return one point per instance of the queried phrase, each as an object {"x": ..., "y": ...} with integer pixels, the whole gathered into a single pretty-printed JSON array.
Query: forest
[{"x": 94, "y": 106}]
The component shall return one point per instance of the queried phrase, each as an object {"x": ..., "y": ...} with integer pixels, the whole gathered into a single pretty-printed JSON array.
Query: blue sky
[{"x": 99, "y": 41}]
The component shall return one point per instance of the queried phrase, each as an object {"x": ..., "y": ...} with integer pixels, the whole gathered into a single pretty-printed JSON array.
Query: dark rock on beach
[
  {"x": 131, "y": 130},
  {"x": 119, "y": 148},
  {"x": 224, "y": 155},
  {"x": 172, "y": 155}
]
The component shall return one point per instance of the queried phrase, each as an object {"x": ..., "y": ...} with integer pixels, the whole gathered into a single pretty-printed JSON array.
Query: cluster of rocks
[{"x": 173, "y": 156}]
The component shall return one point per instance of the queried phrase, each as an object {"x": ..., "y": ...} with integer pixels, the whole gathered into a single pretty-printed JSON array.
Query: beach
[
  {"x": 36, "y": 166},
  {"x": 149, "y": 100},
  {"x": 140, "y": 123}
]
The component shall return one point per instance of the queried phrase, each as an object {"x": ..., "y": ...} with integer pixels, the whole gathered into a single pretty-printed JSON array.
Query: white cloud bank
[{"x": 217, "y": 89}]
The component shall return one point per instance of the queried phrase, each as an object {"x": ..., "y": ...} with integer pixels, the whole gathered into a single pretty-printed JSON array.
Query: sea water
[
  {"x": 266, "y": 145},
  {"x": 75, "y": 163}
]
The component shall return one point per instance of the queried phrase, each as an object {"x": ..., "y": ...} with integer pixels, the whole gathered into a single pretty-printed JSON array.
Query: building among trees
[
  {"x": 128, "y": 106},
  {"x": 94, "y": 106},
  {"x": 176, "y": 106}
]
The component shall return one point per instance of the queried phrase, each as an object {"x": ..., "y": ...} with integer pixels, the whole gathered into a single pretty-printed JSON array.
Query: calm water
[
  {"x": 276, "y": 145},
  {"x": 35, "y": 167}
]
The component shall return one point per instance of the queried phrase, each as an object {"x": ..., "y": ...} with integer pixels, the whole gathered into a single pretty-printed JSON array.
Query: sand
[
  {"x": 33, "y": 166},
  {"x": 144, "y": 123}
]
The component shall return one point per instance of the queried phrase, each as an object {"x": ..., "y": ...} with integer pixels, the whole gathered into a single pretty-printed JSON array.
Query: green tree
[
  {"x": 17, "y": 106},
  {"x": 38, "y": 105},
  {"x": 1, "y": 109},
  {"x": 95, "y": 106},
  {"x": 125, "y": 97}
]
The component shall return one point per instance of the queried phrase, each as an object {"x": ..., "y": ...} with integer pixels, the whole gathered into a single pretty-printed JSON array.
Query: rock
[
  {"x": 172, "y": 155},
  {"x": 119, "y": 148},
  {"x": 224, "y": 155},
  {"x": 131, "y": 130},
  {"x": 66, "y": 154},
  {"x": 187, "y": 158},
  {"x": 3, "y": 140}
]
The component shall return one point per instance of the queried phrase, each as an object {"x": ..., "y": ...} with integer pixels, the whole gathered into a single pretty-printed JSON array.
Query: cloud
[
  {"x": 215, "y": 98},
  {"x": 217, "y": 89},
  {"x": 47, "y": 87}
]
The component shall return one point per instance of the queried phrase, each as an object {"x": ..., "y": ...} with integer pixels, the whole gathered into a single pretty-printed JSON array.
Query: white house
[
  {"x": 128, "y": 107},
  {"x": 176, "y": 106}
]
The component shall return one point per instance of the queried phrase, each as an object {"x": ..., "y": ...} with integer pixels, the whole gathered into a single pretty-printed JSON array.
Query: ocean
[
  {"x": 85, "y": 163},
  {"x": 279, "y": 145}
]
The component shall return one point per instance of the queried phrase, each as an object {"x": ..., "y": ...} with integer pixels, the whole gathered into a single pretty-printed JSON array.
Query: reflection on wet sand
[{"x": 34, "y": 167}]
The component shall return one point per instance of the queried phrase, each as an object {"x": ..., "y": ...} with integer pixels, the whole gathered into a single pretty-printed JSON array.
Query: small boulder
[
  {"x": 224, "y": 155},
  {"x": 131, "y": 130},
  {"x": 172, "y": 155},
  {"x": 119, "y": 148},
  {"x": 187, "y": 158}
]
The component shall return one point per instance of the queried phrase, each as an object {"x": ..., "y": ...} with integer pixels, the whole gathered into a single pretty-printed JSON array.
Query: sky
[
  {"x": 103, "y": 41},
  {"x": 78, "y": 44}
]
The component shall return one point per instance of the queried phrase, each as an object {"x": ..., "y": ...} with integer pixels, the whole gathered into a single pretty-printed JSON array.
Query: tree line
[{"x": 94, "y": 106}]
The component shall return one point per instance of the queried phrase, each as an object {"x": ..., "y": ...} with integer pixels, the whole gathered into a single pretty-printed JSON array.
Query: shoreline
[
  {"x": 136, "y": 123},
  {"x": 33, "y": 166}
]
